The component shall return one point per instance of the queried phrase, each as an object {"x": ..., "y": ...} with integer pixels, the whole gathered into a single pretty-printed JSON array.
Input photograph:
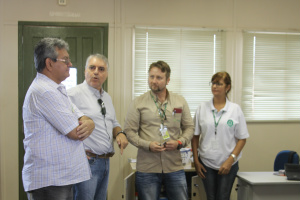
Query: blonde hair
[{"x": 163, "y": 66}]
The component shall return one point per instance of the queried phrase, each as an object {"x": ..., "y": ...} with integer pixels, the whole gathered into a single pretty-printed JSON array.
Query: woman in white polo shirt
[{"x": 220, "y": 135}]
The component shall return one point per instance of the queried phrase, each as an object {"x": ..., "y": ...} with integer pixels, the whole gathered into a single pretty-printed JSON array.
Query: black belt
[{"x": 106, "y": 155}]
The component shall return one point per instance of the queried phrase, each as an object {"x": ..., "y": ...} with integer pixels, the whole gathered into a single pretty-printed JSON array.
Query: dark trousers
[
  {"x": 218, "y": 187},
  {"x": 51, "y": 193}
]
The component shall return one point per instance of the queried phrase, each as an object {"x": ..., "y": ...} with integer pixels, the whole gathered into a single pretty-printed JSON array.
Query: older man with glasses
[
  {"x": 54, "y": 128},
  {"x": 93, "y": 101}
]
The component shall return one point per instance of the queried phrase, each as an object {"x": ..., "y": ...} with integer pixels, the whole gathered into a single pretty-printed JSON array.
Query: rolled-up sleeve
[{"x": 132, "y": 126}]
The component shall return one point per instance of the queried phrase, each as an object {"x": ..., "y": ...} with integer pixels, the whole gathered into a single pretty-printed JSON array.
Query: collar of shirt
[
  {"x": 94, "y": 91},
  {"x": 61, "y": 87},
  {"x": 225, "y": 109},
  {"x": 168, "y": 99}
]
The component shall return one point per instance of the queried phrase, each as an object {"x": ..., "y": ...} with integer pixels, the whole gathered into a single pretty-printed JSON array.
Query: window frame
[
  {"x": 224, "y": 59},
  {"x": 243, "y": 41}
]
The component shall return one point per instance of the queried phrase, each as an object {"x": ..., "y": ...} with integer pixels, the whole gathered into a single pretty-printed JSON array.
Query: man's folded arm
[{"x": 83, "y": 130}]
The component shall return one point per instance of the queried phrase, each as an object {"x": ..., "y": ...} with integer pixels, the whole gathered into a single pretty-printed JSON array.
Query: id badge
[{"x": 164, "y": 132}]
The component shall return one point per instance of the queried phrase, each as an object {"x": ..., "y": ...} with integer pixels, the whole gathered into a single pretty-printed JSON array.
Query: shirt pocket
[{"x": 176, "y": 116}]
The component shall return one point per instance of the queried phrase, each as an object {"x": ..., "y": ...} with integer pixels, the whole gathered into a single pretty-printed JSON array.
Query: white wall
[{"x": 266, "y": 139}]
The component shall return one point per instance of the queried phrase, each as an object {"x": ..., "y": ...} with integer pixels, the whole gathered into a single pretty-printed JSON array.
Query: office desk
[{"x": 266, "y": 186}]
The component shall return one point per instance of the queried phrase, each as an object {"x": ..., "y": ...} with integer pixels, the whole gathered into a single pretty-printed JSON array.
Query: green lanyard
[
  {"x": 217, "y": 123},
  {"x": 161, "y": 114}
]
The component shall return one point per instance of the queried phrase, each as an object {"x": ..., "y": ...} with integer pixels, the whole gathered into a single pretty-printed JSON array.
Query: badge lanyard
[
  {"x": 161, "y": 115},
  {"x": 163, "y": 128},
  {"x": 217, "y": 123}
]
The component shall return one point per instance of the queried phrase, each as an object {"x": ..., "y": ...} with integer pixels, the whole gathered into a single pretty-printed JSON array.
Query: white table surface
[{"x": 265, "y": 178}]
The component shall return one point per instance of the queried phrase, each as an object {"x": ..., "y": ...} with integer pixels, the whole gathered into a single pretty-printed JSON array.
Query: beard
[{"x": 156, "y": 89}]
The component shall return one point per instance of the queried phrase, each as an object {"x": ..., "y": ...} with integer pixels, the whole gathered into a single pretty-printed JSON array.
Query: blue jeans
[
  {"x": 218, "y": 187},
  {"x": 51, "y": 192},
  {"x": 96, "y": 187},
  {"x": 149, "y": 185}
]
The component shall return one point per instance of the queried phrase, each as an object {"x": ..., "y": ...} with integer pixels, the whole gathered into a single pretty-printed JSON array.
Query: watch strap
[
  {"x": 121, "y": 132},
  {"x": 233, "y": 156},
  {"x": 179, "y": 144}
]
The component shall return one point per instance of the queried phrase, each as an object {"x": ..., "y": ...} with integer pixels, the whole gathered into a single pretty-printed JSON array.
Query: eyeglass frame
[
  {"x": 103, "y": 109},
  {"x": 66, "y": 61},
  {"x": 215, "y": 83}
]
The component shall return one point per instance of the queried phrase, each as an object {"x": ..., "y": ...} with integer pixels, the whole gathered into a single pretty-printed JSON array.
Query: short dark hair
[
  {"x": 46, "y": 48},
  {"x": 163, "y": 66}
]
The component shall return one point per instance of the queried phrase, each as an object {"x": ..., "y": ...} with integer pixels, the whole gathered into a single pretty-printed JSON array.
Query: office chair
[{"x": 285, "y": 156}]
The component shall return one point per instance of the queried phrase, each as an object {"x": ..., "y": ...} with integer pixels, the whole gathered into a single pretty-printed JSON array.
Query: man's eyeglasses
[
  {"x": 216, "y": 83},
  {"x": 103, "y": 109},
  {"x": 66, "y": 61}
]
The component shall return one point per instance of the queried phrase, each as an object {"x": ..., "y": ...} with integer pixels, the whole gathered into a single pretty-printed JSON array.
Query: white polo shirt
[{"x": 216, "y": 144}]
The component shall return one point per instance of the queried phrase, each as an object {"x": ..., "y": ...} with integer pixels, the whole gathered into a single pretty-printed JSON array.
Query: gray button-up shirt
[{"x": 86, "y": 98}]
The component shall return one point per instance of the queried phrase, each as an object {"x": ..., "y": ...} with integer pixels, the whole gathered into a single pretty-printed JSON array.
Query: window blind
[
  {"x": 193, "y": 56},
  {"x": 271, "y": 76}
]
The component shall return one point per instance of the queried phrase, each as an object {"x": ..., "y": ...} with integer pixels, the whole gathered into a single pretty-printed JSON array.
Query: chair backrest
[{"x": 285, "y": 156}]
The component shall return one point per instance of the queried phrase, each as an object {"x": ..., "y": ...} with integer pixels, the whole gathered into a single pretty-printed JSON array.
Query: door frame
[{"x": 21, "y": 25}]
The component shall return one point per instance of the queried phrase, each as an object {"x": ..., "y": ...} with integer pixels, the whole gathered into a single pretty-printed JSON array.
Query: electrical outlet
[{"x": 62, "y": 2}]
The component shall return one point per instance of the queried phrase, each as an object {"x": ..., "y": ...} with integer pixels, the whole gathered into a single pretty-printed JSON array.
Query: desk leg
[{"x": 129, "y": 187}]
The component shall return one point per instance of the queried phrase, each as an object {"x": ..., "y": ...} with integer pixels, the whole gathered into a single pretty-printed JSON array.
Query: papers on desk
[{"x": 280, "y": 173}]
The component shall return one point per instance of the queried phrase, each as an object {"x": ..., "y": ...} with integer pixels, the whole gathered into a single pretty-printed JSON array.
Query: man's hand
[
  {"x": 85, "y": 128},
  {"x": 171, "y": 145},
  {"x": 122, "y": 142},
  {"x": 156, "y": 147}
]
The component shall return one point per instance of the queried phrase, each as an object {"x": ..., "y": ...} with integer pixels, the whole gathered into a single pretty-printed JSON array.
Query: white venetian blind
[
  {"x": 193, "y": 56},
  {"x": 271, "y": 76}
]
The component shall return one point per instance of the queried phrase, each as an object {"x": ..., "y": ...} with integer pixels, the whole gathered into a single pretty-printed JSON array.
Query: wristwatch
[
  {"x": 234, "y": 157},
  {"x": 179, "y": 144},
  {"x": 121, "y": 132}
]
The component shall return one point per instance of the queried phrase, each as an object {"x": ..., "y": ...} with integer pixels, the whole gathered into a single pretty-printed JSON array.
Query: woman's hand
[
  {"x": 200, "y": 169},
  {"x": 226, "y": 166}
]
